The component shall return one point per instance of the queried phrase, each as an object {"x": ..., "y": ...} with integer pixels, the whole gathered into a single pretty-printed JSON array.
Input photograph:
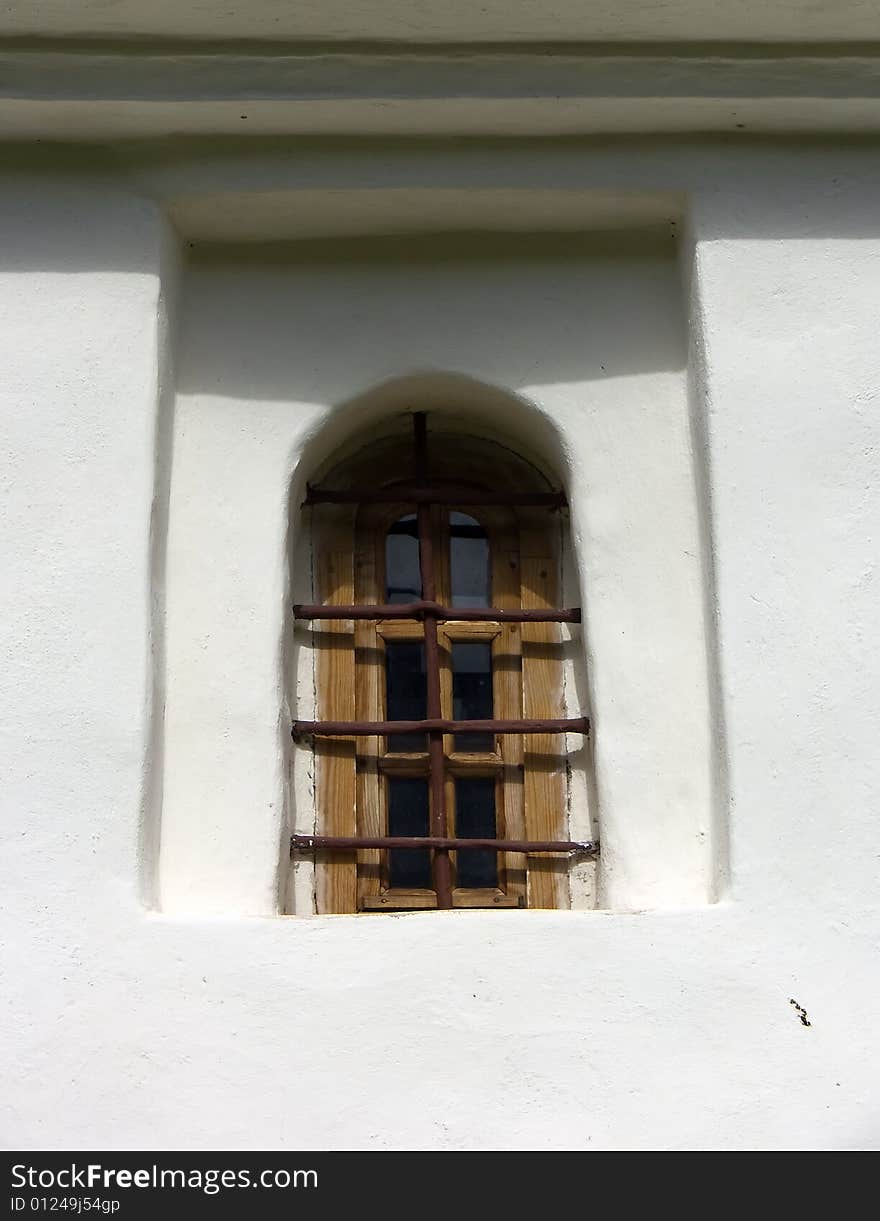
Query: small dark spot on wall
[{"x": 801, "y": 1012}]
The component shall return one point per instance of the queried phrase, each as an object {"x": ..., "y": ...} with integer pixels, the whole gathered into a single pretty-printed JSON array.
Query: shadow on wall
[
  {"x": 764, "y": 187},
  {"x": 71, "y": 214},
  {"x": 318, "y": 321}
]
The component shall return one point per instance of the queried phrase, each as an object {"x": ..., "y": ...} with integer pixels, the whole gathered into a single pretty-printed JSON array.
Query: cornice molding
[{"x": 52, "y": 91}]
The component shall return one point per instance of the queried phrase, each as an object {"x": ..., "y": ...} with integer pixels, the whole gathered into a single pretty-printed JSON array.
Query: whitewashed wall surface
[{"x": 682, "y": 328}]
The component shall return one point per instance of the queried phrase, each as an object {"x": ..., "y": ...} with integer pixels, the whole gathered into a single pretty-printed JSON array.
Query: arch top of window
[{"x": 458, "y": 457}]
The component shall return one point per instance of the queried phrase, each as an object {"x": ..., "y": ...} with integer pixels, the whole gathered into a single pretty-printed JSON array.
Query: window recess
[{"x": 437, "y": 632}]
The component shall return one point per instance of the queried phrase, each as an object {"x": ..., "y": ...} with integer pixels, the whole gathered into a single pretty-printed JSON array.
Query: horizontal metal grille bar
[
  {"x": 418, "y": 610},
  {"x": 379, "y": 729},
  {"x": 411, "y": 493},
  {"x": 308, "y": 843}
]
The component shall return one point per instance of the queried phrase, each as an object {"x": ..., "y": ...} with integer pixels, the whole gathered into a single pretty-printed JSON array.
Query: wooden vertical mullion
[
  {"x": 336, "y": 872},
  {"x": 372, "y": 589},
  {"x": 443, "y": 593},
  {"x": 507, "y": 690},
  {"x": 544, "y": 754},
  {"x": 443, "y": 590},
  {"x": 369, "y": 697}
]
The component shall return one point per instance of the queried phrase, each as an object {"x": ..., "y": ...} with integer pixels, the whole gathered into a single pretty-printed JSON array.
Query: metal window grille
[{"x": 429, "y": 612}]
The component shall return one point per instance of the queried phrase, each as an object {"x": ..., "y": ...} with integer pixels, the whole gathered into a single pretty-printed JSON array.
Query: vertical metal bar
[{"x": 442, "y": 865}]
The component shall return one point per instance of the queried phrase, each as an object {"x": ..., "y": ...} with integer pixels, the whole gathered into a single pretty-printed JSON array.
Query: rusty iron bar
[
  {"x": 423, "y": 493},
  {"x": 437, "y": 726},
  {"x": 311, "y": 843},
  {"x": 441, "y": 864},
  {"x": 445, "y": 614}
]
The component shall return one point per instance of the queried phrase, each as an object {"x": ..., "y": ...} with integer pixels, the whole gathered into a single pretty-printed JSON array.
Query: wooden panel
[
  {"x": 369, "y": 702},
  {"x": 508, "y": 680},
  {"x": 399, "y": 629},
  {"x": 469, "y": 630},
  {"x": 395, "y": 900},
  {"x": 544, "y": 754},
  {"x": 465, "y": 897},
  {"x": 404, "y": 764},
  {"x": 336, "y": 872}
]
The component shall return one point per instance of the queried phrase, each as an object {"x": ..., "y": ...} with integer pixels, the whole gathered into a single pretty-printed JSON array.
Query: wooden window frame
[{"x": 529, "y": 766}]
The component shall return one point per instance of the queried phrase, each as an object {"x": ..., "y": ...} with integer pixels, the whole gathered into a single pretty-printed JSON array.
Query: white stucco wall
[{"x": 127, "y": 1028}]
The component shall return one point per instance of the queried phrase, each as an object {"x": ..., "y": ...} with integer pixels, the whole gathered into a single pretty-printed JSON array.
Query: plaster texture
[{"x": 128, "y": 1028}]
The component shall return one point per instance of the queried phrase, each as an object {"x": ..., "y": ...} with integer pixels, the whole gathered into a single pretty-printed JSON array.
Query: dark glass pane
[
  {"x": 403, "y": 582},
  {"x": 472, "y": 692},
  {"x": 468, "y": 561},
  {"x": 475, "y": 819},
  {"x": 408, "y": 815},
  {"x": 405, "y": 690}
]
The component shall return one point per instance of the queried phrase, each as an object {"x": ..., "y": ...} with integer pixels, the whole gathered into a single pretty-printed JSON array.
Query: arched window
[{"x": 440, "y": 715}]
